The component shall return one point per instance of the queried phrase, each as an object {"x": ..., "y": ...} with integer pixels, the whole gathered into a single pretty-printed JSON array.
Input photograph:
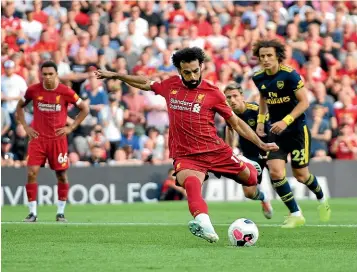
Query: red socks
[
  {"x": 196, "y": 204},
  {"x": 62, "y": 190},
  {"x": 31, "y": 189}
]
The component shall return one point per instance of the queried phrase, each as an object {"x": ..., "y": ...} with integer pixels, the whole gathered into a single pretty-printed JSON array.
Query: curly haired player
[{"x": 283, "y": 94}]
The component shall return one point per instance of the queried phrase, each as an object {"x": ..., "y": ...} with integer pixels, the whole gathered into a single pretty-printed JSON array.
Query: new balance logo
[{"x": 263, "y": 87}]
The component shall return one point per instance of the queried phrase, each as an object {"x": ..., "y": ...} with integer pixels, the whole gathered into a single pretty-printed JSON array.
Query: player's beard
[{"x": 190, "y": 84}]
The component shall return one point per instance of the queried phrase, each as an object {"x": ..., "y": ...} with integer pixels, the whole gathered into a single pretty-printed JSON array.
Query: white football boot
[{"x": 203, "y": 231}]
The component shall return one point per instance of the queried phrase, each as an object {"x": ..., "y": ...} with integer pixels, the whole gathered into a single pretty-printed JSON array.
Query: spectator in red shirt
[
  {"x": 204, "y": 27},
  {"x": 234, "y": 28},
  {"x": 314, "y": 34},
  {"x": 38, "y": 14},
  {"x": 82, "y": 19},
  {"x": 169, "y": 189},
  {"x": 349, "y": 33},
  {"x": 143, "y": 68},
  {"x": 345, "y": 145},
  {"x": 179, "y": 16},
  {"x": 348, "y": 110},
  {"x": 52, "y": 30},
  {"x": 349, "y": 68},
  {"x": 11, "y": 24},
  {"x": 45, "y": 44}
]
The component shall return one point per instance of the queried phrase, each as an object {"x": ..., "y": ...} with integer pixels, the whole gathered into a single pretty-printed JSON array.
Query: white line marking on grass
[{"x": 165, "y": 224}]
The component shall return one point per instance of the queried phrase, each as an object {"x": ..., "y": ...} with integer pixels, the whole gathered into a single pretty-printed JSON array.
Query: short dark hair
[
  {"x": 233, "y": 86},
  {"x": 279, "y": 48},
  {"x": 49, "y": 63},
  {"x": 187, "y": 55}
]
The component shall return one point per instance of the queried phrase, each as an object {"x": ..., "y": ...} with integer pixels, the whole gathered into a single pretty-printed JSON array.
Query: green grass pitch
[{"x": 154, "y": 237}]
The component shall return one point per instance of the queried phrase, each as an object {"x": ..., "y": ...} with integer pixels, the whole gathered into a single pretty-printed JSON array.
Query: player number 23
[
  {"x": 299, "y": 156},
  {"x": 62, "y": 158}
]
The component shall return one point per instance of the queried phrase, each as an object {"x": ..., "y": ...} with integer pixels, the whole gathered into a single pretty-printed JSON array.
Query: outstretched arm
[
  {"x": 140, "y": 82},
  {"x": 245, "y": 131}
]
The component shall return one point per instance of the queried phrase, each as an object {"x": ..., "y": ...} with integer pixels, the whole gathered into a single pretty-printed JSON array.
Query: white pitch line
[{"x": 165, "y": 224}]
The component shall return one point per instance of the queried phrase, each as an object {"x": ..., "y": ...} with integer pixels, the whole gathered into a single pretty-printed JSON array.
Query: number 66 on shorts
[{"x": 53, "y": 150}]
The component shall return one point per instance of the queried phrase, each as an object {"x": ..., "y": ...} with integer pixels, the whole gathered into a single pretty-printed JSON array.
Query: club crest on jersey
[
  {"x": 58, "y": 99},
  {"x": 173, "y": 92},
  {"x": 251, "y": 122},
  {"x": 200, "y": 98},
  {"x": 40, "y": 98},
  {"x": 280, "y": 84},
  {"x": 178, "y": 166}
]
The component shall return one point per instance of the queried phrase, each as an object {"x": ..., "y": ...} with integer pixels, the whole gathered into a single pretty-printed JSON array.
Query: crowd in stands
[{"x": 129, "y": 126}]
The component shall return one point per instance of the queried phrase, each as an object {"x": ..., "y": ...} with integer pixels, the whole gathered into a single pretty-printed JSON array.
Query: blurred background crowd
[{"x": 130, "y": 126}]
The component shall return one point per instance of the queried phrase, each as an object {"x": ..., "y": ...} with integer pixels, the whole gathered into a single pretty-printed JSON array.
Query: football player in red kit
[
  {"x": 48, "y": 133},
  {"x": 193, "y": 140}
]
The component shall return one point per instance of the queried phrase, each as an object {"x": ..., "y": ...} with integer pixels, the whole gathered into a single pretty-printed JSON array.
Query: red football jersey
[
  {"x": 191, "y": 115},
  {"x": 50, "y": 107}
]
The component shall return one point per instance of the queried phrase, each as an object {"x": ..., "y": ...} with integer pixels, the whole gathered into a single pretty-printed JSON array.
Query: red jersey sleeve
[
  {"x": 158, "y": 87},
  {"x": 221, "y": 106},
  {"x": 72, "y": 97},
  {"x": 29, "y": 95}
]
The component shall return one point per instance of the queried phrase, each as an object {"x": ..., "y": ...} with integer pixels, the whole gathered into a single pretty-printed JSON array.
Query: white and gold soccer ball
[{"x": 243, "y": 232}]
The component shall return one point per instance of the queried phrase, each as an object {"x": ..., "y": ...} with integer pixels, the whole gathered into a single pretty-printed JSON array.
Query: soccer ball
[{"x": 243, "y": 232}]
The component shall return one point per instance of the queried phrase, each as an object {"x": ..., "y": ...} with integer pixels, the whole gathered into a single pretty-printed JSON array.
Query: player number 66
[{"x": 62, "y": 159}]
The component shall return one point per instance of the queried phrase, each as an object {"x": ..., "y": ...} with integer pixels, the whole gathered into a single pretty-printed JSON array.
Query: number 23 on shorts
[{"x": 299, "y": 156}]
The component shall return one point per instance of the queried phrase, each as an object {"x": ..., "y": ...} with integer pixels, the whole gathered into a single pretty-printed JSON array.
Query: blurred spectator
[
  {"x": 13, "y": 87},
  {"x": 141, "y": 26},
  {"x": 32, "y": 28},
  {"x": 39, "y": 15},
  {"x": 326, "y": 101},
  {"x": 136, "y": 105},
  {"x": 346, "y": 112},
  {"x": 6, "y": 154},
  {"x": 78, "y": 139},
  {"x": 148, "y": 14},
  {"x": 217, "y": 40},
  {"x": 83, "y": 41},
  {"x": 169, "y": 190},
  {"x": 156, "y": 108},
  {"x": 345, "y": 145},
  {"x": 320, "y": 130},
  {"x": 129, "y": 140},
  {"x": 20, "y": 143},
  {"x": 112, "y": 117},
  {"x": 97, "y": 95},
  {"x": 98, "y": 140},
  {"x": 5, "y": 121},
  {"x": 96, "y": 156}
]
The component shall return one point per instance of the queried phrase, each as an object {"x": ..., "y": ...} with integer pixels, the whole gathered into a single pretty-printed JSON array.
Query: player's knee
[
  {"x": 276, "y": 170},
  {"x": 276, "y": 173},
  {"x": 61, "y": 176},
  {"x": 249, "y": 192},
  {"x": 31, "y": 176},
  {"x": 301, "y": 176},
  {"x": 253, "y": 175}
]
